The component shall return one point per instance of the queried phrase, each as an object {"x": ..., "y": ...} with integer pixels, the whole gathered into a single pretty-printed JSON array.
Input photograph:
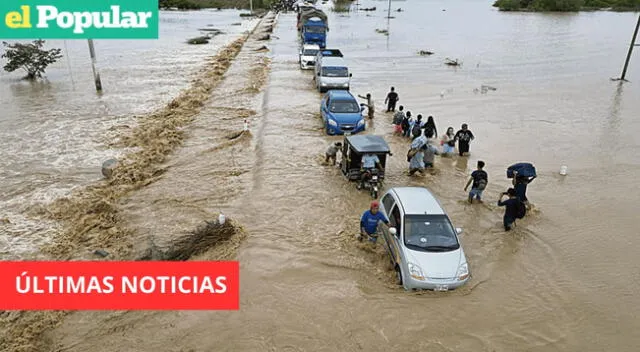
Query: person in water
[
  {"x": 464, "y": 138},
  {"x": 511, "y": 208},
  {"x": 369, "y": 162},
  {"x": 407, "y": 121},
  {"x": 520, "y": 184},
  {"x": 430, "y": 129},
  {"x": 448, "y": 142},
  {"x": 416, "y": 128},
  {"x": 416, "y": 156},
  {"x": 398, "y": 117},
  {"x": 391, "y": 100},
  {"x": 370, "y": 107},
  {"x": 480, "y": 178},
  {"x": 369, "y": 222},
  {"x": 429, "y": 152},
  {"x": 332, "y": 152}
]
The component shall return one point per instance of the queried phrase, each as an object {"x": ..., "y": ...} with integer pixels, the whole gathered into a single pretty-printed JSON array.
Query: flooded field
[{"x": 563, "y": 280}]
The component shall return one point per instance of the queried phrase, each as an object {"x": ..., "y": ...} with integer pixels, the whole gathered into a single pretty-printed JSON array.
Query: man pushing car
[{"x": 369, "y": 222}]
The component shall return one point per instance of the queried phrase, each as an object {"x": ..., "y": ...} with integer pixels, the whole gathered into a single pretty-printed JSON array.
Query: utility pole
[
  {"x": 251, "y": 6},
  {"x": 96, "y": 74},
  {"x": 389, "y": 10},
  {"x": 633, "y": 43}
]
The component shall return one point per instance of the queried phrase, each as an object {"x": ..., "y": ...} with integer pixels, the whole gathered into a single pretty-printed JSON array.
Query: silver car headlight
[
  {"x": 332, "y": 122},
  {"x": 463, "y": 271},
  {"x": 415, "y": 271}
]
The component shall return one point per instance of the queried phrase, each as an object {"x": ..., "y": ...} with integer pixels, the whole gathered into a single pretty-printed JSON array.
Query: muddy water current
[
  {"x": 564, "y": 280},
  {"x": 56, "y": 134}
]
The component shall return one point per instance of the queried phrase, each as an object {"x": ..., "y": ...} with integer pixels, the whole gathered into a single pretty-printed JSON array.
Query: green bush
[
  {"x": 180, "y": 4},
  {"x": 30, "y": 57},
  {"x": 557, "y": 5},
  {"x": 565, "y": 5},
  {"x": 508, "y": 5}
]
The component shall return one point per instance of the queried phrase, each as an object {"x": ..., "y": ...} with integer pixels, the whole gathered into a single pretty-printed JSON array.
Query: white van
[
  {"x": 332, "y": 73},
  {"x": 422, "y": 243}
]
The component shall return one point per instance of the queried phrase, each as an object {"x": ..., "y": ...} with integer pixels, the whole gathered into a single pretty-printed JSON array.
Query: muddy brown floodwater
[{"x": 564, "y": 280}]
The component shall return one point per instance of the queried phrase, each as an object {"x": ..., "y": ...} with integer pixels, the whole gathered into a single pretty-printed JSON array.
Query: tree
[{"x": 30, "y": 57}]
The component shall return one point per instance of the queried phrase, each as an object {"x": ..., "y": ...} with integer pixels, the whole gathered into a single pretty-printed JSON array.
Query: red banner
[{"x": 82, "y": 285}]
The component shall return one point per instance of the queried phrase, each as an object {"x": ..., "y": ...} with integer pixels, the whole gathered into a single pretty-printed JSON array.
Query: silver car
[{"x": 422, "y": 243}]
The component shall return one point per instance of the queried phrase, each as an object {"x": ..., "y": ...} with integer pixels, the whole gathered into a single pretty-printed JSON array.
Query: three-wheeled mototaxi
[{"x": 354, "y": 148}]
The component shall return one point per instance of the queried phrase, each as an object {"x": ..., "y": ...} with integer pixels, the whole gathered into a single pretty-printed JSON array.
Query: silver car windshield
[
  {"x": 335, "y": 72},
  {"x": 310, "y": 52},
  {"x": 429, "y": 233}
]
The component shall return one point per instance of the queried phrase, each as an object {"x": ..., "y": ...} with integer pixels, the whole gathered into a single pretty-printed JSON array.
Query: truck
[
  {"x": 306, "y": 13},
  {"x": 314, "y": 31}
]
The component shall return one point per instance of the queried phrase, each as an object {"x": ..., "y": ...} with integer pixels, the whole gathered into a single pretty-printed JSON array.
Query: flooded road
[
  {"x": 564, "y": 280},
  {"x": 56, "y": 134}
]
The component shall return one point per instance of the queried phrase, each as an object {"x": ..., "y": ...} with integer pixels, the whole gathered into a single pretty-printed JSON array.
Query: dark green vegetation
[
  {"x": 221, "y": 4},
  {"x": 342, "y": 5},
  {"x": 567, "y": 5},
  {"x": 29, "y": 57}
]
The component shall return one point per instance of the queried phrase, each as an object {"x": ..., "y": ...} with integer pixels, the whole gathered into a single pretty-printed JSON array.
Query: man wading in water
[
  {"x": 391, "y": 100},
  {"x": 514, "y": 208},
  {"x": 464, "y": 137},
  {"x": 520, "y": 184},
  {"x": 480, "y": 179},
  {"x": 369, "y": 223},
  {"x": 370, "y": 108},
  {"x": 332, "y": 152}
]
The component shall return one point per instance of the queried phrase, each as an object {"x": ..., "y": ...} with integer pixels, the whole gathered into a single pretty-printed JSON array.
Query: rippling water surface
[{"x": 564, "y": 280}]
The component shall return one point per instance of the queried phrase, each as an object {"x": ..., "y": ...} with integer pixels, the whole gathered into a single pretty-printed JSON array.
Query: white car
[
  {"x": 307, "y": 56},
  {"x": 422, "y": 243}
]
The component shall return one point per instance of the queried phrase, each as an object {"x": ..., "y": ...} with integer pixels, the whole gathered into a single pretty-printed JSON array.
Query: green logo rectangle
[{"x": 79, "y": 19}]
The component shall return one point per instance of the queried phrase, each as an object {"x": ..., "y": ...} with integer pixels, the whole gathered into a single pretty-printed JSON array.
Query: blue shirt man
[
  {"x": 369, "y": 222},
  {"x": 369, "y": 161}
]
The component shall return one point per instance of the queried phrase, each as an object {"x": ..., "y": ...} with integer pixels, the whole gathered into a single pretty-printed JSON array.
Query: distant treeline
[
  {"x": 567, "y": 5},
  {"x": 221, "y": 4}
]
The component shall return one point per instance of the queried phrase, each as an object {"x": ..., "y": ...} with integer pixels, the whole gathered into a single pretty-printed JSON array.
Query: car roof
[
  {"x": 331, "y": 53},
  {"x": 418, "y": 201},
  {"x": 333, "y": 61},
  {"x": 368, "y": 143},
  {"x": 340, "y": 94}
]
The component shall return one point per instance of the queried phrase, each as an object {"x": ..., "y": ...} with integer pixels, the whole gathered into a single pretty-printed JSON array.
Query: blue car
[{"x": 341, "y": 113}]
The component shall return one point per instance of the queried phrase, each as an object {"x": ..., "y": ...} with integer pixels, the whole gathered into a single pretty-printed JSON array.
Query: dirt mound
[
  {"x": 259, "y": 74},
  {"x": 20, "y": 331},
  {"x": 206, "y": 237},
  {"x": 90, "y": 216}
]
